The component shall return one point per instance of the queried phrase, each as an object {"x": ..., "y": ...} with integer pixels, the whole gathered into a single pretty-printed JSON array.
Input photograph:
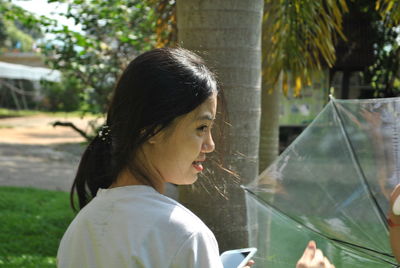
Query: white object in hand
[
  {"x": 396, "y": 206},
  {"x": 237, "y": 258}
]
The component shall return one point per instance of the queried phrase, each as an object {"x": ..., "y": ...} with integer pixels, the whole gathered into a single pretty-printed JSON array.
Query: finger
[
  {"x": 395, "y": 193},
  {"x": 318, "y": 260},
  {"x": 309, "y": 252},
  {"x": 394, "y": 209},
  {"x": 327, "y": 263},
  {"x": 250, "y": 263}
]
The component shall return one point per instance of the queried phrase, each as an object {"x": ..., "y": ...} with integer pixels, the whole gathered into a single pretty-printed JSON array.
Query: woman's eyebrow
[{"x": 205, "y": 117}]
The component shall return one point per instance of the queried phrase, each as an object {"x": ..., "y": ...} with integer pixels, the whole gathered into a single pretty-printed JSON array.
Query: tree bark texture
[
  {"x": 269, "y": 127},
  {"x": 227, "y": 34}
]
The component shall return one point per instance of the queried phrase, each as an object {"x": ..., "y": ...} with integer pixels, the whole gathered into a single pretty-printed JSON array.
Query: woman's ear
[
  {"x": 155, "y": 138},
  {"x": 152, "y": 140}
]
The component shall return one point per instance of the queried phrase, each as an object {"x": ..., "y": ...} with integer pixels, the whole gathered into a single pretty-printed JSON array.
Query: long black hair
[{"x": 155, "y": 88}]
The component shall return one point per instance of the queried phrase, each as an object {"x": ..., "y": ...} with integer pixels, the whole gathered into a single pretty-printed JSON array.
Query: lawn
[
  {"x": 32, "y": 223},
  {"x": 5, "y": 113}
]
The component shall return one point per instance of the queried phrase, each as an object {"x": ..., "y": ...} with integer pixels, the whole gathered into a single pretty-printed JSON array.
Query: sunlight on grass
[
  {"x": 15, "y": 113},
  {"x": 4, "y": 113},
  {"x": 27, "y": 261}
]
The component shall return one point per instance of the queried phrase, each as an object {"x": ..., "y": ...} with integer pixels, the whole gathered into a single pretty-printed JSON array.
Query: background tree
[
  {"x": 111, "y": 34},
  {"x": 384, "y": 73},
  {"x": 390, "y": 11},
  {"x": 14, "y": 33},
  {"x": 228, "y": 35},
  {"x": 91, "y": 59},
  {"x": 298, "y": 38}
]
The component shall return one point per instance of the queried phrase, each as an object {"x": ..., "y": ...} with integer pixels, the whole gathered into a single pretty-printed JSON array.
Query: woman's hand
[
  {"x": 313, "y": 258},
  {"x": 249, "y": 264},
  {"x": 394, "y": 224},
  {"x": 393, "y": 196}
]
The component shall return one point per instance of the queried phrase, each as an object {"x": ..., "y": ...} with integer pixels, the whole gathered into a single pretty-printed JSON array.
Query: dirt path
[{"x": 35, "y": 154}]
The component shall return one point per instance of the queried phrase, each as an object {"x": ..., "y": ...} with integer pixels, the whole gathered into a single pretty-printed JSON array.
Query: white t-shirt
[{"x": 135, "y": 226}]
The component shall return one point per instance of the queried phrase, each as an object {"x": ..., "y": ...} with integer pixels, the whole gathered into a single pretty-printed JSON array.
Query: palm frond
[
  {"x": 166, "y": 29},
  {"x": 299, "y": 35},
  {"x": 390, "y": 11}
]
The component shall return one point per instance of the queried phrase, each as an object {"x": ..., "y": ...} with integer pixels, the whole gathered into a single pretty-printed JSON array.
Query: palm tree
[
  {"x": 390, "y": 11},
  {"x": 228, "y": 35},
  {"x": 297, "y": 37}
]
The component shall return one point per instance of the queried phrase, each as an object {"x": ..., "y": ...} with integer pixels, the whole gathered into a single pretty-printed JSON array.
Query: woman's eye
[{"x": 202, "y": 128}]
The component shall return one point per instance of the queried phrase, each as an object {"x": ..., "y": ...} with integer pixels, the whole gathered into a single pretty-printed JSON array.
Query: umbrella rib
[
  {"x": 282, "y": 214},
  {"x": 359, "y": 169},
  {"x": 358, "y": 246}
]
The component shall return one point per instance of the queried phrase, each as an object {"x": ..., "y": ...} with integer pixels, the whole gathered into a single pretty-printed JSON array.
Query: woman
[{"x": 158, "y": 130}]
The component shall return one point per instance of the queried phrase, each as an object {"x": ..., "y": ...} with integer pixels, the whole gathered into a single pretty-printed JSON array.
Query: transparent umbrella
[{"x": 331, "y": 185}]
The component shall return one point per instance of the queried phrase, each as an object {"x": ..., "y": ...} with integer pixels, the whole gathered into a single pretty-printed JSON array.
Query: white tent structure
[
  {"x": 10, "y": 80},
  {"x": 18, "y": 71}
]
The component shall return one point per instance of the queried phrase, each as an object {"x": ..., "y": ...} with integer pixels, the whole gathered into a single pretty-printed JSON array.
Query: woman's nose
[{"x": 208, "y": 145}]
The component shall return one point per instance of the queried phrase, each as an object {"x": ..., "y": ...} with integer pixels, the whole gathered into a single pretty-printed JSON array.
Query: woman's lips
[{"x": 198, "y": 166}]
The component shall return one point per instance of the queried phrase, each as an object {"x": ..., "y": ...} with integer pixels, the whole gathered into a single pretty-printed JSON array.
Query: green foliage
[
  {"x": 32, "y": 224},
  {"x": 298, "y": 35},
  {"x": 113, "y": 32},
  {"x": 64, "y": 96},
  {"x": 4, "y": 113},
  {"x": 7, "y": 100},
  {"x": 166, "y": 29},
  {"x": 17, "y": 38},
  {"x": 3, "y": 34},
  {"x": 384, "y": 73},
  {"x": 15, "y": 31},
  {"x": 390, "y": 11}
]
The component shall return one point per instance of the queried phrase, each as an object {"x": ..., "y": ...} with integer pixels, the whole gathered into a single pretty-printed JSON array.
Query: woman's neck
[{"x": 126, "y": 178}]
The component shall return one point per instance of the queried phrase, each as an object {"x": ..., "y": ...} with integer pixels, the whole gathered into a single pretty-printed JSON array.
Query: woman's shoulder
[
  {"x": 146, "y": 221},
  {"x": 134, "y": 202},
  {"x": 181, "y": 215},
  {"x": 177, "y": 215}
]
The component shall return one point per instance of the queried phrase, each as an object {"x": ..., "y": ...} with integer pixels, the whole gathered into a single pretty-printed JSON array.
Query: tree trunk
[
  {"x": 271, "y": 91},
  {"x": 269, "y": 135},
  {"x": 228, "y": 35},
  {"x": 269, "y": 127},
  {"x": 269, "y": 149}
]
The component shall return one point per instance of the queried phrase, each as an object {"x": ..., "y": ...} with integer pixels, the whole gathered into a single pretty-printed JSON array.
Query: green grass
[
  {"x": 14, "y": 113},
  {"x": 4, "y": 113},
  {"x": 32, "y": 223}
]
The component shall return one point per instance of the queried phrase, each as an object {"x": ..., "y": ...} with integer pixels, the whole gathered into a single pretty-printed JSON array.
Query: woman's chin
[{"x": 188, "y": 180}]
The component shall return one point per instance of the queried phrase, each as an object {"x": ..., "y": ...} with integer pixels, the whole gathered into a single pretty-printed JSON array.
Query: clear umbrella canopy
[{"x": 331, "y": 185}]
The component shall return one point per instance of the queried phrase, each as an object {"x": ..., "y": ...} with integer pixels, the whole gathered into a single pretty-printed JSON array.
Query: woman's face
[{"x": 177, "y": 153}]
